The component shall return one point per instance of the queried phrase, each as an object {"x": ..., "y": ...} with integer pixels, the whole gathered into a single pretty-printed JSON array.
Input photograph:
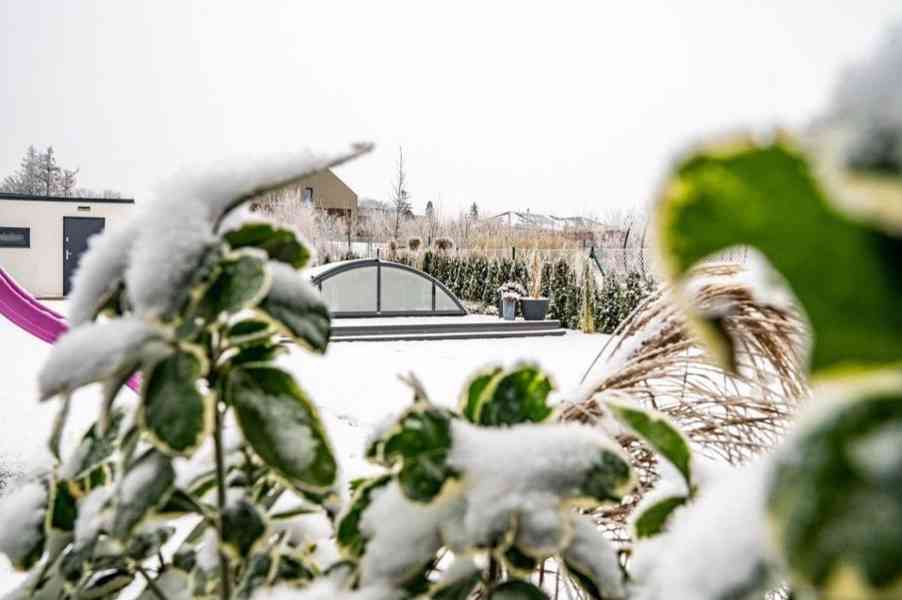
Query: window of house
[
  {"x": 15, "y": 237},
  {"x": 308, "y": 197}
]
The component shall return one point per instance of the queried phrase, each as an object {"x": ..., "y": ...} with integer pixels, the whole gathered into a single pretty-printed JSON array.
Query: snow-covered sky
[{"x": 562, "y": 107}]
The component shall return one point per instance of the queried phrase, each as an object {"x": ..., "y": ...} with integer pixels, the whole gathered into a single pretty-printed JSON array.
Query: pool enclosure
[{"x": 373, "y": 287}]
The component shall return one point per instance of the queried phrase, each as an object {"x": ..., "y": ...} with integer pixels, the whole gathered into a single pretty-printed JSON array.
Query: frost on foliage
[
  {"x": 501, "y": 480},
  {"x": 327, "y": 589},
  {"x": 96, "y": 351},
  {"x": 714, "y": 548},
  {"x": 100, "y": 270},
  {"x": 403, "y": 534},
  {"x": 501, "y": 488},
  {"x": 591, "y": 554},
  {"x": 93, "y": 515},
  {"x": 298, "y": 306},
  {"x": 22, "y": 521},
  {"x": 174, "y": 238}
]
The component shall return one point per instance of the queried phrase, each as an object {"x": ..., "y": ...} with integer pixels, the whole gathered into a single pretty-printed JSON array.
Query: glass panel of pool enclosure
[{"x": 373, "y": 287}]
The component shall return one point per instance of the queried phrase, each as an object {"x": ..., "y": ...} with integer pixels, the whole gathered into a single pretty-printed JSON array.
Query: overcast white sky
[{"x": 562, "y": 107}]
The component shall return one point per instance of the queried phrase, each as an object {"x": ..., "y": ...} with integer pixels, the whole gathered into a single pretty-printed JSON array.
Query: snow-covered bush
[{"x": 198, "y": 303}]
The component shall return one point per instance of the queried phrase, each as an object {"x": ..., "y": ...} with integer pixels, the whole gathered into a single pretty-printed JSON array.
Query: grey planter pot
[
  {"x": 508, "y": 309},
  {"x": 534, "y": 309}
]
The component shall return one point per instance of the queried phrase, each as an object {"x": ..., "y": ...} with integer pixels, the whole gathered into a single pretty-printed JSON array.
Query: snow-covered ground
[{"x": 356, "y": 386}]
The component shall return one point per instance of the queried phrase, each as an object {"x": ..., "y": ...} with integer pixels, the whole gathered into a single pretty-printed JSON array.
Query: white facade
[{"x": 39, "y": 267}]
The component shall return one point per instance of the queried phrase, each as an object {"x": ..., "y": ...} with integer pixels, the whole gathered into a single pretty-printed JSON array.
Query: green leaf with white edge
[
  {"x": 519, "y": 396},
  {"x": 294, "y": 567},
  {"x": 95, "y": 449},
  {"x": 347, "y": 529},
  {"x": 297, "y": 306},
  {"x": 470, "y": 400},
  {"x": 517, "y": 561},
  {"x": 515, "y": 589},
  {"x": 279, "y": 243},
  {"x": 658, "y": 432},
  {"x": 652, "y": 519},
  {"x": 607, "y": 480},
  {"x": 22, "y": 513},
  {"x": 260, "y": 569},
  {"x": 845, "y": 274},
  {"x": 242, "y": 282},
  {"x": 421, "y": 442},
  {"x": 282, "y": 426},
  {"x": 62, "y": 509},
  {"x": 258, "y": 354},
  {"x": 835, "y": 497},
  {"x": 243, "y": 527},
  {"x": 173, "y": 410},
  {"x": 106, "y": 584},
  {"x": 250, "y": 331},
  {"x": 146, "y": 485}
]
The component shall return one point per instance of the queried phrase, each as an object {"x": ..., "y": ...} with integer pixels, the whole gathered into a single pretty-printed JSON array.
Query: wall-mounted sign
[{"x": 15, "y": 237}]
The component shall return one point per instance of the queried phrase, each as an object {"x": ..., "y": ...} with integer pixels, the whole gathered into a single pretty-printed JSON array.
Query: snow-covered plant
[
  {"x": 414, "y": 244},
  {"x": 464, "y": 482},
  {"x": 511, "y": 290},
  {"x": 823, "y": 511},
  {"x": 221, "y": 439},
  {"x": 444, "y": 244}
]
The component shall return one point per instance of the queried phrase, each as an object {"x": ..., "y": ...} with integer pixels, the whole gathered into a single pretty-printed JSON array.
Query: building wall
[
  {"x": 39, "y": 269},
  {"x": 330, "y": 193}
]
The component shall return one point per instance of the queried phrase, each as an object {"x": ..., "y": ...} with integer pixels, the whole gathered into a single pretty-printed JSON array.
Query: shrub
[{"x": 414, "y": 244}]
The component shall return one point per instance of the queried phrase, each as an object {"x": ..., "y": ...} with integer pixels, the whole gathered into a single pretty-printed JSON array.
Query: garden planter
[
  {"x": 508, "y": 309},
  {"x": 534, "y": 309}
]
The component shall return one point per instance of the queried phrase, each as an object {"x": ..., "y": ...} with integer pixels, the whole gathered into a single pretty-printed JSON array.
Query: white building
[{"x": 42, "y": 238}]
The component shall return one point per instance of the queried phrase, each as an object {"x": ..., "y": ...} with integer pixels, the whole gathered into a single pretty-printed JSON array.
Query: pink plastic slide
[{"x": 24, "y": 310}]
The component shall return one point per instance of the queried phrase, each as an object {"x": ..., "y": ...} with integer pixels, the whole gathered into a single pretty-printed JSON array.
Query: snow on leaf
[
  {"x": 593, "y": 562},
  {"x": 347, "y": 529},
  {"x": 470, "y": 400},
  {"x": 95, "y": 352},
  {"x": 22, "y": 514},
  {"x": 279, "y": 243},
  {"x": 174, "y": 243},
  {"x": 298, "y": 307},
  {"x": 173, "y": 410},
  {"x": 723, "y": 532},
  {"x": 282, "y": 426},
  {"x": 145, "y": 486},
  {"x": 243, "y": 526},
  {"x": 835, "y": 499}
]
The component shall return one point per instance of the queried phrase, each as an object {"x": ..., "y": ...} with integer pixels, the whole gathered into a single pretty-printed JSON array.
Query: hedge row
[{"x": 475, "y": 278}]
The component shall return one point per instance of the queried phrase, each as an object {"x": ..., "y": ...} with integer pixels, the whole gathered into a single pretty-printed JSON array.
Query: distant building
[
  {"x": 323, "y": 191},
  {"x": 42, "y": 238},
  {"x": 582, "y": 229}
]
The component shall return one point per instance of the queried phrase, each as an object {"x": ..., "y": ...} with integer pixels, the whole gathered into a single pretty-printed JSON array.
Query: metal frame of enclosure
[{"x": 372, "y": 287}]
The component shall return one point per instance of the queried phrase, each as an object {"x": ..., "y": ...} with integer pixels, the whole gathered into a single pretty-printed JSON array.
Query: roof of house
[
  {"x": 530, "y": 219},
  {"x": 39, "y": 198}
]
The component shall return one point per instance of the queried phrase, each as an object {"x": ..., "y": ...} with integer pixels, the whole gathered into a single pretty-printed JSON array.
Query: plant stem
[
  {"x": 225, "y": 577},
  {"x": 151, "y": 584}
]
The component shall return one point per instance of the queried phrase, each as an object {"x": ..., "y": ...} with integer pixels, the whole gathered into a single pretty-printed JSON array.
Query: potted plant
[
  {"x": 535, "y": 305},
  {"x": 510, "y": 292}
]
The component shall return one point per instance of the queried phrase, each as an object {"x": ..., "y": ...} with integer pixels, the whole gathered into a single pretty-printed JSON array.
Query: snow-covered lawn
[{"x": 356, "y": 386}]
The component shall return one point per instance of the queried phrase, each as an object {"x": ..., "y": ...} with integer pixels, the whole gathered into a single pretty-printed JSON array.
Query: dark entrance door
[{"x": 76, "y": 231}]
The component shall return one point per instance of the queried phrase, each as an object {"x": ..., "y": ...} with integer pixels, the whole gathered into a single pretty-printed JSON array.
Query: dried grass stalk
[{"x": 655, "y": 361}]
